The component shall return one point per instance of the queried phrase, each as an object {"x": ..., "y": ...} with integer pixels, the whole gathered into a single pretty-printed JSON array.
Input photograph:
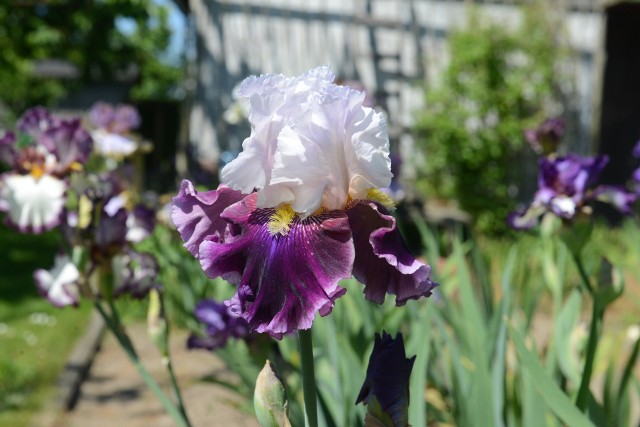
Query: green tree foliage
[
  {"x": 498, "y": 83},
  {"x": 84, "y": 33}
]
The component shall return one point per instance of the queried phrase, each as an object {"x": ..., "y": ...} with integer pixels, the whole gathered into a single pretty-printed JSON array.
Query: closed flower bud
[{"x": 269, "y": 399}]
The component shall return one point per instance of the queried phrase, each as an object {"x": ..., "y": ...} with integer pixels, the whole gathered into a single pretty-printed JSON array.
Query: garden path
[{"x": 113, "y": 394}]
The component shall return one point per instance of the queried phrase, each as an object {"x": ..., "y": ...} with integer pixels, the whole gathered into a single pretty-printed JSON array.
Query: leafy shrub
[{"x": 498, "y": 83}]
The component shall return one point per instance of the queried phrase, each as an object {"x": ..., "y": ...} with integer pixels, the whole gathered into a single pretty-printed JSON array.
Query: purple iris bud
[
  {"x": 221, "y": 324},
  {"x": 101, "y": 114},
  {"x": 547, "y": 136},
  {"x": 565, "y": 186},
  {"x": 8, "y": 150},
  {"x": 125, "y": 119},
  {"x": 387, "y": 380}
]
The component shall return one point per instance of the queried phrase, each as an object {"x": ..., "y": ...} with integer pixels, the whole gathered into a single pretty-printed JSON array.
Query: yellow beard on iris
[{"x": 280, "y": 221}]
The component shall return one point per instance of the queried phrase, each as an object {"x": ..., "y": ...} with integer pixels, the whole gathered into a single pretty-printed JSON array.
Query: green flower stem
[
  {"x": 583, "y": 274},
  {"x": 308, "y": 378},
  {"x": 595, "y": 328},
  {"x": 172, "y": 375},
  {"x": 125, "y": 343},
  {"x": 597, "y": 314}
]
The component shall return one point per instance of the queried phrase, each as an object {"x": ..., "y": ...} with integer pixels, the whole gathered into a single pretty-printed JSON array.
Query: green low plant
[{"x": 498, "y": 82}]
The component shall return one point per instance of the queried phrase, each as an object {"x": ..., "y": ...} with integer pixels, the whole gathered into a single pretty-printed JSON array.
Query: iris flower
[
  {"x": 300, "y": 208},
  {"x": 566, "y": 186},
  {"x": 41, "y": 153},
  {"x": 113, "y": 129},
  {"x": 221, "y": 324}
]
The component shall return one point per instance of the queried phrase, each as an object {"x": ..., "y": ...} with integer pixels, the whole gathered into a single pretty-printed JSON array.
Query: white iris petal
[
  {"x": 312, "y": 144},
  {"x": 33, "y": 202},
  {"x": 113, "y": 144},
  {"x": 60, "y": 283}
]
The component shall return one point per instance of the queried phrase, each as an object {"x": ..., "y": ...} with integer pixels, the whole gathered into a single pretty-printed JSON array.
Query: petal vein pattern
[{"x": 283, "y": 280}]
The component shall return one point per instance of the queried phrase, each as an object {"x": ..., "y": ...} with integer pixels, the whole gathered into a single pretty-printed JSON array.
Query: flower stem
[
  {"x": 308, "y": 378},
  {"x": 172, "y": 376},
  {"x": 597, "y": 313},
  {"x": 594, "y": 334},
  {"x": 114, "y": 326}
]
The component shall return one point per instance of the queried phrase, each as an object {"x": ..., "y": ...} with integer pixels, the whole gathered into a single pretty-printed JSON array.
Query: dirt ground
[{"x": 115, "y": 395}]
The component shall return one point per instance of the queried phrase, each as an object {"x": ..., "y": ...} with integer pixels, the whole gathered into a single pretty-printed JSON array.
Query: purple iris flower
[
  {"x": 42, "y": 152},
  {"x": 566, "y": 187},
  {"x": 387, "y": 379},
  {"x": 221, "y": 324},
  {"x": 545, "y": 138},
  {"x": 113, "y": 129},
  {"x": 300, "y": 208}
]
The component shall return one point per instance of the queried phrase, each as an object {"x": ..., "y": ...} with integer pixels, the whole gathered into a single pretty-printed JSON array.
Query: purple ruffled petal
[
  {"x": 283, "y": 280},
  {"x": 125, "y": 118},
  {"x": 35, "y": 121},
  {"x": 69, "y": 142},
  {"x": 525, "y": 219},
  {"x": 616, "y": 196},
  {"x": 101, "y": 114},
  {"x": 197, "y": 215},
  {"x": 8, "y": 151},
  {"x": 383, "y": 263}
]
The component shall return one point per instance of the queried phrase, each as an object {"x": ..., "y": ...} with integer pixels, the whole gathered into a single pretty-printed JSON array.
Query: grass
[{"x": 35, "y": 337}]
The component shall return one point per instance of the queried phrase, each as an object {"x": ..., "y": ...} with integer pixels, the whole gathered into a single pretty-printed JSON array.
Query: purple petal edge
[
  {"x": 283, "y": 280},
  {"x": 196, "y": 215},
  {"x": 383, "y": 263}
]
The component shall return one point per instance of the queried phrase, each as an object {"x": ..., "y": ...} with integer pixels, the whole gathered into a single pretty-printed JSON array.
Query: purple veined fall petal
[
  {"x": 282, "y": 279},
  {"x": 383, "y": 263},
  {"x": 69, "y": 142},
  {"x": 616, "y": 196},
  {"x": 197, "y": 214}
]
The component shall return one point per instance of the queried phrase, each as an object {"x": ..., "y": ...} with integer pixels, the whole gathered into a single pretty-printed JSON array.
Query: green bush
[{"x": 498, "y": 83}]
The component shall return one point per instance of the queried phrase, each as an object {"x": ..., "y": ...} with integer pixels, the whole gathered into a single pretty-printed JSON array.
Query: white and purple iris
[
  {"x": 300, "y": 207},
  {"x": 107, "y": 229},
  {"x": 41, "y": 153},
  {"x": 112, "y": 135},
  {"x": 566, "y": 186}
]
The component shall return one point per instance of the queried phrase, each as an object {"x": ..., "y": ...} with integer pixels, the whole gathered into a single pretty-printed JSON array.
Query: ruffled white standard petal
[
  {"x": 313, "y": 144},
  {"x": 32, "y": 205},
  {"x": 113, "y": 144},
  {"x": 338, "y": 151},
  {"x": 60, "y": 284},
  {"x": 275, "y": 101}
]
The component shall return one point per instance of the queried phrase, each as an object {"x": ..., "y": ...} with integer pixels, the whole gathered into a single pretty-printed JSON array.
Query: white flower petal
[
  {"x": 312, "y": 144},
  {"x": 32, "y": 204},
  {"x": 113, "y": 144},
  {"x": 59, "y": 285}
]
